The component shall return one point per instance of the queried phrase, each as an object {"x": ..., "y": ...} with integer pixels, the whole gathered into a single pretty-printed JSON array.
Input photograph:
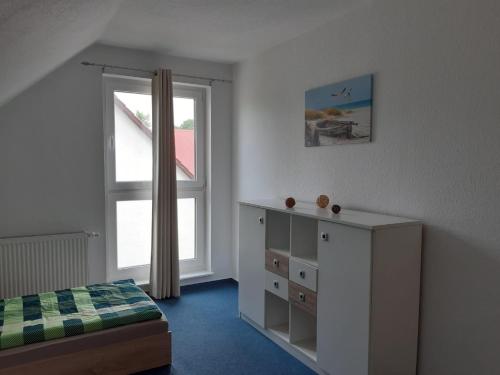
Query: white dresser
[{"x": 340, "y": 292}]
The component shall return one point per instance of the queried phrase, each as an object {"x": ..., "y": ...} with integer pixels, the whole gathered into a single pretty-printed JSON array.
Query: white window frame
[
  {"x": 196, "y": 189},
  {"x": 114, "y": 83},
  {"x": 196, "y": 93},
  {"x": 113, "y": 272},
  {"x": 142, "y": 190},
  {"x": 199, "y": 262}
]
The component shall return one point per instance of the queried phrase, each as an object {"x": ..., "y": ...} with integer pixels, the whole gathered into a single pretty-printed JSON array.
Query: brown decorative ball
[
  {"x": 336, "y": 208},
  {"x": 322, "y": 201},
  {"x": 290, "y": 202}
]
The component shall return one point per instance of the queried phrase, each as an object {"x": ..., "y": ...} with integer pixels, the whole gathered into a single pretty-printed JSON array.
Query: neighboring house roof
[
  {"x": 133, "y": 117},
  {"x": 184, "y": 141},
  {"x": 184, "y": 149}
]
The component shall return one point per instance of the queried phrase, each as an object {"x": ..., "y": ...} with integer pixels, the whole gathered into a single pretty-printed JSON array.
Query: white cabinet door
[
  {"x": 344, "y": 258},
  {"x": 252, "y": 263}
]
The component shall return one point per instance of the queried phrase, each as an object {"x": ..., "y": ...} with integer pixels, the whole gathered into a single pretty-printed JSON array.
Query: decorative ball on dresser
[
  {"x": 322, "y": 201},
  {"x": 336, "y": 208},
  {"x": 290, "y": 202}
]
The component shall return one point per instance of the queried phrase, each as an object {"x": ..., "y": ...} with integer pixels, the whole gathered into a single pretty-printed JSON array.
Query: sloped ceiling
[
  {"x": 36, "y": 36},
  {"x": 217, "y": 30}
]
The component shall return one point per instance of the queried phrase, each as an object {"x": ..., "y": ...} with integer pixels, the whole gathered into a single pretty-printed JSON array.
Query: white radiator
[{"x": 36, "y": 264}]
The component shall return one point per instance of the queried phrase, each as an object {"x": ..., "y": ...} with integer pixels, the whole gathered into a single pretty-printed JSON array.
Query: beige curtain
[{"x": 164, "y": 279}]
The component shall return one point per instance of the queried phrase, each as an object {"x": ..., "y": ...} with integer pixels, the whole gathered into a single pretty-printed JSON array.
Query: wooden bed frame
[{"x": 123, "y": 350}]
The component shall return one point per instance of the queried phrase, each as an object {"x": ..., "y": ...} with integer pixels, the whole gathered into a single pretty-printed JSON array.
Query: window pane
[
  {"x": 185, "y": 153},
  {"x": 186, "y": 213},
  {"x": 133, "y": 146},
  {"x": 133, "y": 225}
]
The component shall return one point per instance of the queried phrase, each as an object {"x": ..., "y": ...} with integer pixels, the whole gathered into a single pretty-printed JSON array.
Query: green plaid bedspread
[{"x": 63, "y": 313}]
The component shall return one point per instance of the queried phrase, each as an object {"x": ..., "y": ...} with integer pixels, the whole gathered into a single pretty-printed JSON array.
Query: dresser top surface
[{"x": 360, "y": 219}]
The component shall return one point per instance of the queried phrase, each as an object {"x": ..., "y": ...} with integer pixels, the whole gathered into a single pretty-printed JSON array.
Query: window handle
[
  {"x": 111, "y": 143},
  {"x": 276, "y": 262}
]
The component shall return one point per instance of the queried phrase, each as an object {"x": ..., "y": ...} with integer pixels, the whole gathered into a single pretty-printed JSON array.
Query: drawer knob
[
  {"x": 302, "y": 274},
  {"x": 261, "y": 220},
  {"x": 324, "y": 236},
  {"x": 302, "y": 297},
  {"x": 276, "y": 284},
  {"x": 276, "y": 262}
]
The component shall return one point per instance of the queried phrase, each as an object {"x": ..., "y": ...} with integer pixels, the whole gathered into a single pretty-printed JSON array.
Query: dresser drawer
[
  {"x": 277, "y": 285},
  {"x": 302, "y": 298},
  {"x": 303, "y": 274},
  {"x": 277, "y": 263}
]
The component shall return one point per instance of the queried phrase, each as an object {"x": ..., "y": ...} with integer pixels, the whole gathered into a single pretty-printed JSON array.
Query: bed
[{"x": 112, "y": 328}]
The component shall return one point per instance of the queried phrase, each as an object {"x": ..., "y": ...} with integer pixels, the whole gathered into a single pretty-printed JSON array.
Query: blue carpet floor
[{"x": 209, "y": 337}]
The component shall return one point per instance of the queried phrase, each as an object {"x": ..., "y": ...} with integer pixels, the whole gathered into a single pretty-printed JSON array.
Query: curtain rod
[{"x": 104, "y": 66}]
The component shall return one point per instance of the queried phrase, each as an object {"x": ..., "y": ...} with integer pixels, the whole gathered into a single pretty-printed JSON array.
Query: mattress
[{"x": 65, "y": 313}]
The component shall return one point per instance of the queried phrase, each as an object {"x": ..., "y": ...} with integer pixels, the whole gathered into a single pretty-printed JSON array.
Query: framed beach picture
[{"x": 339, "y": 113}]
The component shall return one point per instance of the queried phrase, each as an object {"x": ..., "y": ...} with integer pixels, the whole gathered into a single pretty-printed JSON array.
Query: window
[{"x": 128, "y": 150}]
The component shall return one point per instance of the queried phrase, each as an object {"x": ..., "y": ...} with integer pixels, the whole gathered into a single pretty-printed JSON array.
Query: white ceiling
[
  {"x": 217, "y": 30},
  {"x": 36, "y": 36}
]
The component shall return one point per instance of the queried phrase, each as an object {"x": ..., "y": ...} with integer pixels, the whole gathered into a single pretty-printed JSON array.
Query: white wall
[
  {"x": 435, "y": 153},
  {"x": 52, "y": 158}
]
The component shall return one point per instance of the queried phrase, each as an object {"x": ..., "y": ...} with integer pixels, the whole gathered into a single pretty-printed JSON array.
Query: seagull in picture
[{"x": 344, "y": 92}]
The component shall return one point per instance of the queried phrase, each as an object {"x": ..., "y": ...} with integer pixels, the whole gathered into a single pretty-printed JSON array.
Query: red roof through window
[
  {"x": 184, "y": 150},
  {"x": 184, "y": 141}
]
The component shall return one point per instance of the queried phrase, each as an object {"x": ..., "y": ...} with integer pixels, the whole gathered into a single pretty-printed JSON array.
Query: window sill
[
  {"x": 144, "y": 284},
  {"x": 195, "y": 275}
]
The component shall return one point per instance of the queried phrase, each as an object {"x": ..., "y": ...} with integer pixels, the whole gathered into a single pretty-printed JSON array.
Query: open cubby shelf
[
  {"x": 303, "y": 331},
  {"x": 282, "y": 331},
  {"x": 304, "y": 239},
  {"x": 291, "y": 324},
  {"x": 311, "y": 260},
  {"x": 278, "y": 232},
  {"x": 307, "y": 346},
  {"x": 277, "y": 316},
  {"x": 285, "y": 253},
  {"x": 291, "y": 235}
]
